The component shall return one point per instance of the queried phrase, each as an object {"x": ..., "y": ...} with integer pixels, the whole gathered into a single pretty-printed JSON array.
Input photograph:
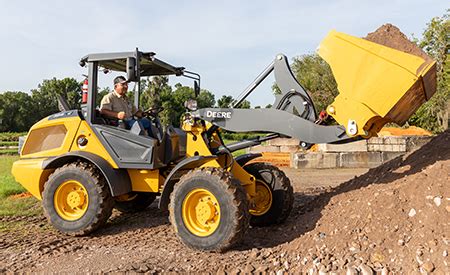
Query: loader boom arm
[
  {"x": 292, "y": 114},
  {"x": 273, "y": 121}
]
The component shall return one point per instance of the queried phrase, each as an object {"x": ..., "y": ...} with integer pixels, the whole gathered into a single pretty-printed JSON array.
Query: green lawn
[
  {"x": 8, "y": 187},
  {"x": 8, "y": 152},
  {"x": 236, "y": 153},
  {"x": 9, "y": 143}
]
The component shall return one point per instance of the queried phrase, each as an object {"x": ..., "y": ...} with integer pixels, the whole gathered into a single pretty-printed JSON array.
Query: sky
[{"x": 227, "y": 42}]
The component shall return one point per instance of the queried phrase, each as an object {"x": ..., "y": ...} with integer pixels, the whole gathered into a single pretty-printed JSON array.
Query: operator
[{"x": 117, "y": 105}]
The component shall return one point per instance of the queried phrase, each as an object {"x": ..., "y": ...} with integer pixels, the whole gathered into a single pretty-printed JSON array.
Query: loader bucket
[{"x": 376, "y": 84}]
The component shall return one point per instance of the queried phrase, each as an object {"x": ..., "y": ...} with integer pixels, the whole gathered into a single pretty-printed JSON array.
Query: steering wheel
[{"x": 154, "y": 111}]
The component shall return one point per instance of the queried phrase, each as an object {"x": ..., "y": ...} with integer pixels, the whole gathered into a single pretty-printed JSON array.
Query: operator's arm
[
  {"x": 118, "y": 115},
  {"x": 106, "y": 109}
]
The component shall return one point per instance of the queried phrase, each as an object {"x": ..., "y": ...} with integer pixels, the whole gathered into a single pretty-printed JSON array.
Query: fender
[
  {"x": 169, "y": 183},
  {"x": 118, "y": 179},
  {"x": 243, "y": 159}
]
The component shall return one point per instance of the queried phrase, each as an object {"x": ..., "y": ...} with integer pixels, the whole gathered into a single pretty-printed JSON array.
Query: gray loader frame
[{"x": 291, "y": 115}]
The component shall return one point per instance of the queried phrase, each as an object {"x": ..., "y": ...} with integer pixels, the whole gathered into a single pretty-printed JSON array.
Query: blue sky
[{"x": 228, "y": 43}]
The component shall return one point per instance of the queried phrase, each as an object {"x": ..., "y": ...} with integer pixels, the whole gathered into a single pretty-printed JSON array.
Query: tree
[
  {"x": 158, "y": 93},
  {"x": 155, "y": 92},
  {"x": 226, "y": 101},
  {"x": 181, "y": 94},
  {"x": 435, "y": 43},
  {"x": 315, "y": 75},
  {"x": 45, "y": 96},
  {"x": 17, "y": 112},
  {"x": 244, "y": 104},
  {"x": 102, "y": 92},
  {"x": 152, "y": 89}
]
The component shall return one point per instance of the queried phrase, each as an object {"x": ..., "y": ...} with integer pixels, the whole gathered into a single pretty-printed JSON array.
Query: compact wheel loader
[{"x": 82, "y": 166}]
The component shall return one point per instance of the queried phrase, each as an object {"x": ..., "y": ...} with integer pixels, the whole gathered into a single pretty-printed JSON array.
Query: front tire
[
  {"x": 208, "y": 210},
  {"x": 76, "y": 199},
  {"x": 275, "y": 196}
]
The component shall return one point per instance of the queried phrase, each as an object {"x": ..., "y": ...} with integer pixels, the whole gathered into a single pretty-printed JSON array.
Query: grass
[
  {"x": 11, "y": 136},
  {"x": 9, "y": 143},
  {"x": 235, "y": 153},
  {"x": 10, "y": 206},
  {"x": 9, "y": 152}
]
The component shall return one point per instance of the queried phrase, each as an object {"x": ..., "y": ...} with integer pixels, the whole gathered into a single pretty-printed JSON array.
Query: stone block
[
  {"x": 360, "y": 159},
  {"x": 415, "y": 142},
  {"x": 284, "y": 142},
  {"x": 315, "y": 160},
  {"x": 387, "y": 156},
  {"x": 290, "y": 148},
  {"x": 373, "y": 147},
  {"x": 399, "y": 148},
  {"x": 394, "y": 140},
  {"x": 375, "y": 140},
  {"x": 386, "y": 148},
  {"x": 263, "y": 148},
  {"x": 356, "y": 146}
]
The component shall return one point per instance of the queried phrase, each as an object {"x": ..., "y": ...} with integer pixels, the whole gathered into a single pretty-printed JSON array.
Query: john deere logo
[{"x": 218, "y": 114}]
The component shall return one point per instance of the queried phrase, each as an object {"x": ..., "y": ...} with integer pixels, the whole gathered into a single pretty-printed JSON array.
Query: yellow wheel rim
[
  {"x": 262, "y": 201},
  {"x": 201, "y": 212},
  {"x": 71, "y": 200}
]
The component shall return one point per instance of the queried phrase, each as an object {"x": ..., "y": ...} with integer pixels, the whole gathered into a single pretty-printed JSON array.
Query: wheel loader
[{"x": 81, "y": 165}]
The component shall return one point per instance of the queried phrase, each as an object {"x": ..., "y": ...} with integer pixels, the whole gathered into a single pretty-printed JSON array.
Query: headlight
[{"x": 191, "y": 104}]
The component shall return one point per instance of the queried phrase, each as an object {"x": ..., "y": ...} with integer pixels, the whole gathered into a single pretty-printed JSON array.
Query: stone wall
[{"x": 359, "y": 154}]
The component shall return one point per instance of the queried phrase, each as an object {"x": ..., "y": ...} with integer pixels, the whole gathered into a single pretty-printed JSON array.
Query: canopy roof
[{"x": 148, "y": 64}]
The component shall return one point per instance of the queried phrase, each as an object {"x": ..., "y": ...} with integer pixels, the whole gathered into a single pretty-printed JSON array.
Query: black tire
[
  {"x": 100, "y": 202},
  {"x": 230, "y": 197},
  {"x": 139, "y": 201},
  {"x": 282, "y": 193}
]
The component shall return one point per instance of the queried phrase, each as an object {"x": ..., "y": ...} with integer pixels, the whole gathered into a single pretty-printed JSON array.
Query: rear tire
[
  {"x": 208, "y": 210},
  {"x": 136, "y": 201},
  {"x": 282, "y": 194},
  {"x": 76, "y": 199}
]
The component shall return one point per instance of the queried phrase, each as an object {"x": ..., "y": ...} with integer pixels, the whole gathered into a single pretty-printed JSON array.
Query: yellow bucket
[{"x": 376, "y": 84}]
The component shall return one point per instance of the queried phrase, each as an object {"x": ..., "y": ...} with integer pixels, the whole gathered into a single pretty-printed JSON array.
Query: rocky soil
[{"x": 391, "y": 219}]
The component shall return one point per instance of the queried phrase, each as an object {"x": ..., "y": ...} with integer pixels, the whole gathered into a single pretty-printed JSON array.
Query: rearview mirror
[
  {"x": 131, "y": 69},
  {"x": 196, "y": 88}
]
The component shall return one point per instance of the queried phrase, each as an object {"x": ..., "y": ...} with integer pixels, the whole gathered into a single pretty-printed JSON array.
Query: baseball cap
[{"x": 119, "y": 79}]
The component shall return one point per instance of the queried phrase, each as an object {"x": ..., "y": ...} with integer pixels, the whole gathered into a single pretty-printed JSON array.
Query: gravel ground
[
  {"x": 145, "y": 241},
  {"x": 393, "y": 218}
]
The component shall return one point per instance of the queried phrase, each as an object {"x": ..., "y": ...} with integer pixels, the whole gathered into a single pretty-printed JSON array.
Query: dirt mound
[
  {"x": 393, "y": 218},
  {"x": 391, "y": 36}
]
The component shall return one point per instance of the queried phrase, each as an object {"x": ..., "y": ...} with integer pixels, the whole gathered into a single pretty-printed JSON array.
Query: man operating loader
[{"x": 117, "y": 105}]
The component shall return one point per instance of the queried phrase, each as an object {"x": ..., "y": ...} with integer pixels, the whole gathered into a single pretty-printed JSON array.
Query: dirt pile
[
  {"x": 391, "y": 36},
  {"x": 410, "y": 131},
  {"x": 393, "y": 218}
]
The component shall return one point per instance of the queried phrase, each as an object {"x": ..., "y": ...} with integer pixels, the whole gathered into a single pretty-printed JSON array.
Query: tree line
[{"x": 20, "y": 110}]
